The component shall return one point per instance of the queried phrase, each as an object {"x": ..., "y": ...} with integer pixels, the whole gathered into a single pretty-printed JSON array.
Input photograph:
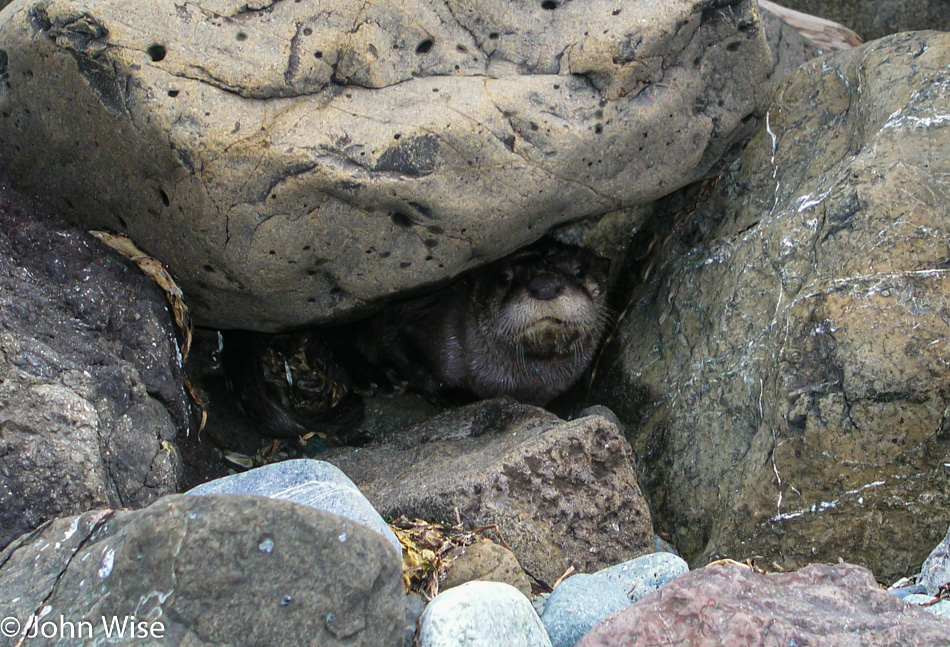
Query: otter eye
[
  {"x": 579, "y": 272},
  {"x": 505, "y": 278}
]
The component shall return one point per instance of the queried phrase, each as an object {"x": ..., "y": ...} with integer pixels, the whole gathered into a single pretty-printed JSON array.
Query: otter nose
[{"x": 545, "y": 287}]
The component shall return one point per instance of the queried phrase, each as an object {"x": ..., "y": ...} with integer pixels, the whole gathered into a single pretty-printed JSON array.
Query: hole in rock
[
  {"x": 401, "y": 220},
  {"x": 156, "y": 52},
  {"x": 424, "y": 47},
  {"x": 550, "y": 5}
]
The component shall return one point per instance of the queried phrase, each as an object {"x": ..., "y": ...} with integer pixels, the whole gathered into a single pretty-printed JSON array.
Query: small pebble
[{"x": 481, "y": 614}]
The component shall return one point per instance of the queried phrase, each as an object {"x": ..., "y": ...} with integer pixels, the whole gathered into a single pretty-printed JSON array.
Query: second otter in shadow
[{"x": 526, "y": 326}]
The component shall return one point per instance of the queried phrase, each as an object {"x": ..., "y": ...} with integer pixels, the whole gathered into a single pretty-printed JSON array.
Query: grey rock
[
  {"x": 312, "y": 483},
  {"x": 876, "y": 18},
  {"x": 935, "y": 571},
  {"x": 902, "y": 593},
  {"x": 215, "y": 570},
  {"x": 577, "y": 604},
  {"x": 295, "y": 162},
  {"x": 643, "y": 575},
  {"x": 820, "y": 606},
  {"x": 415, "y": 605},
  {"x": 929, "y": 604},
  {"x": 603, "y": 412},
  {"x": 561, "y": 493},
  {"x": 581, "y": 601},
  {"x": 92, "y": 401},
  {"x": 941, "y": 609},
  {"x": 789, "y": 48},
  {"x": 814, "y": 34},
  {"x": 481, "y": 614},
  {"x": 486, "y": 561},
  {"x": 793, "y": 326},
  {"x": 918, "y": 599}
]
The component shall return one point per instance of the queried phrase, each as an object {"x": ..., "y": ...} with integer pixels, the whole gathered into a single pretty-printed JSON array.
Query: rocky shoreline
[{"x": 774, "y": 389}]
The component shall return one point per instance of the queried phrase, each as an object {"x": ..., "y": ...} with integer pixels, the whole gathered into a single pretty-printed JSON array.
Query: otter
[
  {"x": 289, "y": 384},
  {"x": 525, "y": 326}
]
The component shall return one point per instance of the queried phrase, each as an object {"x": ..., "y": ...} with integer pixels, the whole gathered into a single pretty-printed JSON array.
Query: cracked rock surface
[
  {"x": 209, "y": 570},
  {"x": 784, "y": 372},
  {"x": 296, "y": 162},
  {"x": 91, "y": 397},
  {"x": 561, "y": 493}
]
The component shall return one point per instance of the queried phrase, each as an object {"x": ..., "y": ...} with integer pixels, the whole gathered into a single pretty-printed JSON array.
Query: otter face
[{"x": 545, "y": 302}]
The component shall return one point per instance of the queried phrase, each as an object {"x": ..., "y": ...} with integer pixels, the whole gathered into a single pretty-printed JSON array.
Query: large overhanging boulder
[{"x": 294, "y": 162}]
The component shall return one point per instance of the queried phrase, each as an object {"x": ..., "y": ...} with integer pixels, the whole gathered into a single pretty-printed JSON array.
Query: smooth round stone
[
  {"x": 577, "y": 604},
  {"x": 904, "y": 592},
  {"x": 645, "y": 574},
  {"x": 308, "y": 482},
  {"x": 481, "y": 614}
]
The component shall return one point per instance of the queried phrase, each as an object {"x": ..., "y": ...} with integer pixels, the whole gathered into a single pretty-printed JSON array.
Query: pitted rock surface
[
  {"x": 783, "y": 373},
  {"x": 561, "y": 493},
  {"x": 294, "y": 162},
  {"x": 92, "y": 402}
]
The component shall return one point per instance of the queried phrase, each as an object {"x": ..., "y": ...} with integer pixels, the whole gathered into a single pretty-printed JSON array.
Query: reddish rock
[{"x": 730, "y": 604}]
